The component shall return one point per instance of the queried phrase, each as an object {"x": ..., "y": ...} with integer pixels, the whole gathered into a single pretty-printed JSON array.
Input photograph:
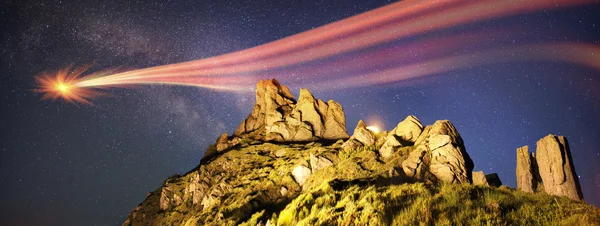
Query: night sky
[{"x": 67, "y": 164}]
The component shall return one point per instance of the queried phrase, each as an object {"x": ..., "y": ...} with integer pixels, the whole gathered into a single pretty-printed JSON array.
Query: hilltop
[{"x": 292, "y": 162}]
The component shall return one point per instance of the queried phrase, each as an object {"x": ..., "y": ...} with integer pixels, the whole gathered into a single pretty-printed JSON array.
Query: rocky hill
[{"x": 292, "y": 163}]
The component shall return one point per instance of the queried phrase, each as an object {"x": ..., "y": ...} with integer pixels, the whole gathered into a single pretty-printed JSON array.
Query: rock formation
[
  {"x": 438, "y": 152},
  {"x": 441, "y": 151},
  {"x": 551, "y": 166},
  {"x": 556, "y": 167},
  {"x": 362, "y": 137},
  {"x": 277, "y": 116},
  {"x": 525, "y": 170},
  {"x": 479, "y": 178},
  {"x": 360, "y": 180},
  {"x": 405, "y": 134}
]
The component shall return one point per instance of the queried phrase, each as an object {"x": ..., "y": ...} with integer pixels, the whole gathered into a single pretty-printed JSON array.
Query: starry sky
[{"x": 66, "y": 164}]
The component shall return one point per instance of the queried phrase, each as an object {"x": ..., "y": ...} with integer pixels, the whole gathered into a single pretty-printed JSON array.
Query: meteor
[{"x": 367, "y": 49}]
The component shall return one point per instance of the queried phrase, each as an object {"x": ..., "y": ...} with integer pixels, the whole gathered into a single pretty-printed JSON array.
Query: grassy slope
[
  {"x": 358, "y": 190},
  {"x": 419, "y": 204}
]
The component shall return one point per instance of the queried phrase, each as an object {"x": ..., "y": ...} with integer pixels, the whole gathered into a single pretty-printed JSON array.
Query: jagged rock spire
[{"x": 277, "y": 116}]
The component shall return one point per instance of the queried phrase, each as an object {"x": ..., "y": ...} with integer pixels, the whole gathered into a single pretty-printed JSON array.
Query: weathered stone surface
[
  {"x": 440, "y": 153},
  {"x": 405, "y": 134},
  {"x": 280, "y": 152},
  {"x": 525, "y": 170},
  {"x": 417, "y": 163},
  {"x": 301, "y": 173},
  {"x": 556, "y": 167},
  {"x": 361, "y": 137},
  {"x": 408, "y": 130},
  {"x": 389, "y": 147},
  {"x": 479, "y": 178},
  {"x": 449, "y": 160},
  {"x": 222, "y": 143},
  {"x": 170, "y": 197},
  {"x": 335, "y": 122},
  {"x": 306, "y": 111},
  {"x": 195, "y": 189},
  {"x": 273, "y": 103},
  {"x": 282, "y": 119},
  {"x": 317, "y": 163}
]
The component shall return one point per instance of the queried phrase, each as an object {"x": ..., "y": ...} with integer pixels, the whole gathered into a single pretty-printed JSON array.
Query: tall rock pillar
[
  {"x": 556, "y": 167},
  {"x": 526, "y": 181}
]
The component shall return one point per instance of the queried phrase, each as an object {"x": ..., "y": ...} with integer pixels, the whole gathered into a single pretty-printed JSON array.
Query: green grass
[
  {"x": 421, "y": 204},
  {"x": 246, "y": 183}
]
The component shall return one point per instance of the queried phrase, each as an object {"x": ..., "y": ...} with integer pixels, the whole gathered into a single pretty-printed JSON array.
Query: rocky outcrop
[
  {"x": 273, "y": 102},
  {"x": 276, "y": 116},
  {"x": 449, "y": 159},
  {"x": 170, "y": 197},
  {"x": 362, "y": 137},
  {"x": 244, "y": 180},
  {"x": 405, "y": 134},
  {"x": 551, "y": 167},
  {"x": 416, "y": 166},
  {"x": 439, "y": 151},
  {"x": 443, "y": 147},
  {"x": 525, "y": 170},
  {"x": 556, "y": 168}
]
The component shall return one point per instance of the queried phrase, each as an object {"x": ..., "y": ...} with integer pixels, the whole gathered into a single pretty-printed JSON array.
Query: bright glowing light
[
  {"x": 63, "y": 85},
  {"x": 373, "y": 129},
  {"x": 62, "y": 88}
]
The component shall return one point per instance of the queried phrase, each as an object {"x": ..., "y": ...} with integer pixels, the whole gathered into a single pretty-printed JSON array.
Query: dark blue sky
[{"x": 64, "y": 164}]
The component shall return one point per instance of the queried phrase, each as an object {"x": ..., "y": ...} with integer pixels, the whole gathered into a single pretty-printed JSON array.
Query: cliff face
[{"x": 292, "y": 163}]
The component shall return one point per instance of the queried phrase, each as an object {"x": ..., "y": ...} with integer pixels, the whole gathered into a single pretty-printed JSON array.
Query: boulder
[
  {"x": 361, "y": 137},
  {"x": 306, "y": 111},
  {"x": 449, "y": 160},
  {"x": 300, "y": 174},
  {"x": 555, "y": 167},
  {"x": 439, "y": 152},
  {"x": 526, "y": 181},
  {"x": 405, "y": 134},
  {"x": 317, "y": 163},
  {"x": 479, "y": 178},
  {"x": 408, "y": 130}
]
